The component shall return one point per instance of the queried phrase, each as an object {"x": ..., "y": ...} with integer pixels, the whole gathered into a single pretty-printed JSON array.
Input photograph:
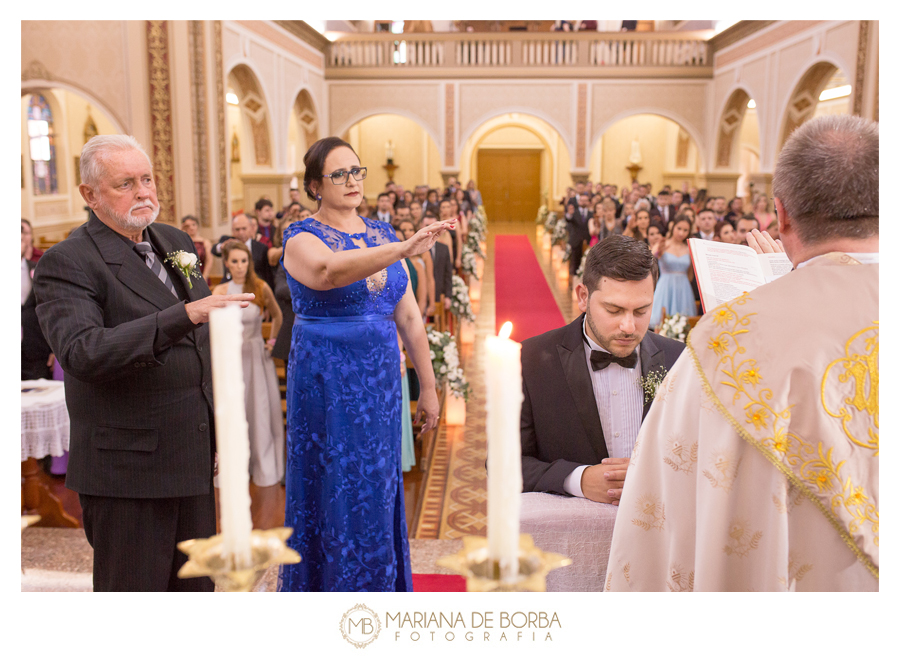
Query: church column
[
  {"x": 161, "y": 151},
  {"x": 449, "y": 169},
  {"x": 581, "y": 171}
]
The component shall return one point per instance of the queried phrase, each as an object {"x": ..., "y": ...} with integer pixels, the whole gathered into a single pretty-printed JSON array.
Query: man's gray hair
[
  {"x": 91, "y": 164},
  {"x": 827, "y": 178},
  {"x": 642, "y": 204}
]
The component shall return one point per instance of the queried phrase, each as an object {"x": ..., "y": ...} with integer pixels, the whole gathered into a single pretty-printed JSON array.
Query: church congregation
[{"x": 374, "y": 249}]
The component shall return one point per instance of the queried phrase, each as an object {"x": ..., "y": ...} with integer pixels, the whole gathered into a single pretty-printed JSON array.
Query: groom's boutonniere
[
  {"x": 186, "y": 263},
  {"x": 651, "y": 382}
]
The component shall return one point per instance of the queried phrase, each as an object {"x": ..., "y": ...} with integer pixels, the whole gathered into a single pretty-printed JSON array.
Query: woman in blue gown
[
  {"x": 673, "y": 290},
  {"x": 351, "y": 297}
]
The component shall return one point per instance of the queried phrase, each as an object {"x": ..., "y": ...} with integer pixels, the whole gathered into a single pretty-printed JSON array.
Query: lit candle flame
[{"x": 505, "y": 330}]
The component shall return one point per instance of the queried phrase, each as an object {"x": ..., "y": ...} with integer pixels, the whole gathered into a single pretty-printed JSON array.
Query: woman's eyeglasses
[{"x": 339, "y": 177}]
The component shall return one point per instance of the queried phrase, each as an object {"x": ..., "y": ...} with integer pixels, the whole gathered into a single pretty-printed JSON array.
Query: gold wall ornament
[
  {"x": 859, "y": 368},
  {"x": 199, "y": 122},
  {"x": 161, "y": 117},
  {"x": 862, "y": 49},
  {"x": 90, "y": 128},
  {"x": 235, "y": 147},
  {"x": 221, "y": 129}
]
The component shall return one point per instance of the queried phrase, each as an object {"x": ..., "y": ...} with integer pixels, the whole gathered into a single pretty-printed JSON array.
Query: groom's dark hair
[{"x": 621, "y": 258}]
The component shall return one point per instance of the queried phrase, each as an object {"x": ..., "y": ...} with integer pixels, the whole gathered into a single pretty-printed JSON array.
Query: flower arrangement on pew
[
  {"x": 478, "y": 226},
  {"x": 543, "y": 211},
  {"x": 469, "y": 262},
  {"x": 460, "y": 304},
  {"x": 675, "y": 326},
  {"x": 445, "y": 361},
  {"x": 559, "y": 234}
]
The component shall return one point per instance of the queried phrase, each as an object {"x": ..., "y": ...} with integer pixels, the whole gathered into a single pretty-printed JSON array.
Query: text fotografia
[{"x": 478, "y": 626}]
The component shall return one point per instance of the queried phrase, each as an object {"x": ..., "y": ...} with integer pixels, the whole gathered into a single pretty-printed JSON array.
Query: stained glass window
[{"x": 42, "y": 147}]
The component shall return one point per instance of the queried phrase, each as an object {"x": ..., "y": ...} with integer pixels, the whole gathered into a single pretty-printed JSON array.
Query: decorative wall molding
[
  {"x": 223, "y": 165},
  {"x": 199, "y": 123},
  {"x": 36, "y": 71},
  {"x": 862, "y": 49},
  {"x": 581, "y": 134},
  {"x": 449, "y": 124},
  {"x": 161, "y": 117}
]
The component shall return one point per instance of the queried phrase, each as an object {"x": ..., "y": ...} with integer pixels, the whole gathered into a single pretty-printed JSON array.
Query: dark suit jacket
[
  {"x": 578, "y": 225},
  {"x": 282, "y": 348},
  {"x": 35, "y": 350},
  {"x": 260, "y": 254},
  {"x": 443, "y": 271},
  {"x": 560, "y": 424},
  {"x": 663, "y": 219},
  {"x": 137, "y": 370}
]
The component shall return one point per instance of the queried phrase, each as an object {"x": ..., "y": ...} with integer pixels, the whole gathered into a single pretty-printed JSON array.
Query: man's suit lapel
[
  {"x": 652, "y": 358},
  {"x": 571, "y": 355},
  {"x": 128, "y": 267},
  {"x": 164, "y": 246}
]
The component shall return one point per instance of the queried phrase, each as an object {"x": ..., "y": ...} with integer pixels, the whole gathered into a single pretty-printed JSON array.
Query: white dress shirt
[{"x": 620, "y": 403}]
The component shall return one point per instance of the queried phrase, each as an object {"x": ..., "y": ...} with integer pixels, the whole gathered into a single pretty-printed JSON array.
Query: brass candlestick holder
[
  {"x": 267, "y": 548},
  {"x": 483, "y": 574}
]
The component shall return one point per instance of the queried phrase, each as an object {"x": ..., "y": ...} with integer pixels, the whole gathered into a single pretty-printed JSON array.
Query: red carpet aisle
[{"x": 521, "y": 291}]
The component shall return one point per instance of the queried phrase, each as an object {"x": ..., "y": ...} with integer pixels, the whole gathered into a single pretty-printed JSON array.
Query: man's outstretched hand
[{"x": 198, "y": 311}]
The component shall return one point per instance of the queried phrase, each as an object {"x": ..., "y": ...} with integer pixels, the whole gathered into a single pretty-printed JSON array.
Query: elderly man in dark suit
[
  {"x": 577, "y": 217},
  {"x": 131, "y": 337},
  {"x": 584, "y": 403}
]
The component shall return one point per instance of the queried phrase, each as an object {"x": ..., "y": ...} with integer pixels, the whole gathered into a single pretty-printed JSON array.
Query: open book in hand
[{"x": 725, "y": 271}]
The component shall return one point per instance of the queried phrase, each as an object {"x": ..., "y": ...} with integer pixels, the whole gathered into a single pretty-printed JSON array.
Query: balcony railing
[{"x": 498, "y": 54}]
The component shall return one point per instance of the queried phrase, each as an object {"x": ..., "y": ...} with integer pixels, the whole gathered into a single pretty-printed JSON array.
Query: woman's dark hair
[
  {"x": 678, "y": 220},
  {"x": 252, "y": 283},
  {"x": 620, "y": 258},
  {"x": 190, "y": 218},
  {"x": 717, "y": 229},
  {"x": 314, "y": 161}
]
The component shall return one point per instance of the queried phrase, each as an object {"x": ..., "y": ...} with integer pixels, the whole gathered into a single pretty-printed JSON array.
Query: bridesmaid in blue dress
[
  {"x": 351, "y": 297},
  {"x": 673, "y": 290}
]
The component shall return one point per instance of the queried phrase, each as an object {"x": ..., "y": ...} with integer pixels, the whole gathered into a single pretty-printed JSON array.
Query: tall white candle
[
  {"x": 503, "y": 378},
  {"x": 226, "y": 335}
]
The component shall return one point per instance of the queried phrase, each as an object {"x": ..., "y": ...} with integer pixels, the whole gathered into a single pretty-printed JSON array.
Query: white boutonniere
[
  {"x": 651, "y": 382},
  {"x": 186, "y": 263}
]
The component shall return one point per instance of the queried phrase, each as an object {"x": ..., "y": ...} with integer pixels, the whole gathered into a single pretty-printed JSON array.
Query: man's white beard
[{"x": 129, "y": 222}]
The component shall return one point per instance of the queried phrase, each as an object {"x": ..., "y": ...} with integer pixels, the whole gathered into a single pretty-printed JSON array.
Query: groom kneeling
[{"x": 584, "y": 401}]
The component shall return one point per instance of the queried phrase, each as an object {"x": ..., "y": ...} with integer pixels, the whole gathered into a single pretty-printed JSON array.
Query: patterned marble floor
[{"x": 455, "y": 490}]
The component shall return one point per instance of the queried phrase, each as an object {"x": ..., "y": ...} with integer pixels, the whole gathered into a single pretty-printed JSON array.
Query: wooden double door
[{"x": 510, "y": 183}]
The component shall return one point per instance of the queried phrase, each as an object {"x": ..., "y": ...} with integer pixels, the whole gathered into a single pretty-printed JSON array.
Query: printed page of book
[
  {"x": 774, "y": 265},
  {"x": 724, "y": 271}
]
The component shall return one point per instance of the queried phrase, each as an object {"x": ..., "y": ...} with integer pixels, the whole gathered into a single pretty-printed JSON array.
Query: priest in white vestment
[{"x": 757, "y": 466}]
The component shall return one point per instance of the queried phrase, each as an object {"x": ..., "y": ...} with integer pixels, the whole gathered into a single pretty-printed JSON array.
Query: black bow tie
[{"x": 599, "y": 360}]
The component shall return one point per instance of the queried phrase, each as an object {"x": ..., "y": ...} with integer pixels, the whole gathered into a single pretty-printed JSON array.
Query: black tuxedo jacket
[
  {"x": 560, "y": 426},
  {"x": 443, "y": 271},
  {"x": 578, "y": 225},
  {"x": 35, "y": 350},
  {"x": 663, "y": 219},
  {"x": 260, "y": 253},
  {"x": 137, "y": 370}
]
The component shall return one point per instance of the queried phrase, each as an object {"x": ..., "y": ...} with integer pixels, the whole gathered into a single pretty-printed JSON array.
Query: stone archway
[
  {"x": 805, "y": 97},
  {"x": 730, "y": 128},
  {"x": 254, "y": 115},
  {"x": 303, "y": 130}
]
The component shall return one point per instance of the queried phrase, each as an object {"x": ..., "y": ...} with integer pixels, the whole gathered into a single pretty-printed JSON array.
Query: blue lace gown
[
  {"x": 673, "y": 290},
  {"x": 344, "y": 480}
]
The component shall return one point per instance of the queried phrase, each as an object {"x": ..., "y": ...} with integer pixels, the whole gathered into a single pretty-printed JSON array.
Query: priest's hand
[
  {"x": 198, "y": 311},
  {"x": 603, "y": 482},
  {"x": 763, "y": 243}
]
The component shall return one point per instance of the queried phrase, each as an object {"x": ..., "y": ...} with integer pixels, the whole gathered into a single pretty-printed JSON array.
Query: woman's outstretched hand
[{"x": 425, "y": 238}]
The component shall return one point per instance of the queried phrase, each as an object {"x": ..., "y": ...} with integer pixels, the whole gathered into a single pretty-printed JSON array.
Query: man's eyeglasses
[{"x": 339, "y": 177}]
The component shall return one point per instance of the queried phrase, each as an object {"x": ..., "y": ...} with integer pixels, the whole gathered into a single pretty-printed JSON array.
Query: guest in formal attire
[
  {"x": 753, "y": 472},
  {"x": 762, "y": 214},
  {"x": 474, "y": 195},
  {"x": 265, "y": 216},
  {"x": 448, "y": 215},
  {"x": 203, "y": 247},
  {"x": 583, "y": 402},
  {"x": 706, "y": 225},
  {"x": 29, "y": 251},
  {"x": 261, "y": 395},
  {"x": 132, "y": 339},
  {"x": 384, "y": 208},
  {"x": 577, "y": 217},
  {"x": 415, "y": 213},
  {"x": 664, "y": 209},
  {"x": 351, "y": 297},
  {"x": 420, "y": 267},
  {"x": 724, "y": 232},
  {"x": 401, "y": 213},
  {"x": 743, "y": 226},
  {"x": 673, "y": 292},
  {"x": 655, "y": 240},
  {"x": 637, "y": 229},
  {"x": 242, "y": 231},
  {"x": 442, "y": 260},
  {"x": 735, "y": 210}
]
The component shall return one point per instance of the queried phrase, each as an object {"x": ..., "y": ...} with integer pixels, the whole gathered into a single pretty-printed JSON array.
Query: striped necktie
[{"x": 146, "y": 252}]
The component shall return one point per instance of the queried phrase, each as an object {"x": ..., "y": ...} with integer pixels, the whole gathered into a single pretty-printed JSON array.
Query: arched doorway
[
  {"x": 823, "y": 89},
  {"x": 737, "y": 143},
  {"x": 413, "y": 154},
  {"x": 55, "y": 125},
  {"x": 663, "y": 149},
  {"x": 303, "y": 131},
  {"x": 247, "y": 127},
  {"x": 518, "y": 162}
]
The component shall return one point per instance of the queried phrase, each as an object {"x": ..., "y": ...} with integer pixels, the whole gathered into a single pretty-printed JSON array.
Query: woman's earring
[{"x": 318, "y": 197}]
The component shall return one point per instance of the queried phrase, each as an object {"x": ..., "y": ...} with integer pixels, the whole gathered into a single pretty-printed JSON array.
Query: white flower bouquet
[
  {"x": 445, "y": 361},
  {"x": 469, "y": 264},
  {"x": 580, "y": 271},
  {"x": 543, "y": 211},
  {"x": 676, "y": 327},
  {"x": 460, "y": 304},
  {"x": 559, "y": 233},
  {"x": 478, "y": 225}
]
